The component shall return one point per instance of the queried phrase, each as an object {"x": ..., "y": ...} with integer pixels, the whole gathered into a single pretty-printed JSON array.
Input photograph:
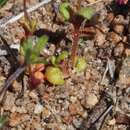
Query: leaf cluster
[{"x": 31, "y": 51}]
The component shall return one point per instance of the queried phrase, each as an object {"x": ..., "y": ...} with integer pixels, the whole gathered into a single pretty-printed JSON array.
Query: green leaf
[
  {"x": 63, "y": 9},
  {"x": 26, "y": 50},
  {"x": 26, "y": 45},
  {"x": 62, "y": 56},
  {"x": 39, "y": 61},
  {"x": 3, "y": 120},
  {"x": 86, "y": 12},
  {"x": 53, "y": 60},
  {"x": 2, "y": 2},
  {"x": 54, "y": 75},
  {"x": 80, "y": 64},
  {"x": 41, "y": 43}
]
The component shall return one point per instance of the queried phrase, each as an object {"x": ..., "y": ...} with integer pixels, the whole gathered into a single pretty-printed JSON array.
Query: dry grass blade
[{"x": 17, "y": 17}]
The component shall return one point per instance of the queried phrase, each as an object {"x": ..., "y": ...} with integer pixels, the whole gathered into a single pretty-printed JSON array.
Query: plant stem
[
  {"x": 75, "y": 37},
  {"x": 25, "y": 12},
  {"x": 10, "y": 80}
]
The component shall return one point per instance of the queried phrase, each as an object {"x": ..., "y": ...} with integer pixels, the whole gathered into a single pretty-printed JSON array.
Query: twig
[
  {"x": 17, "y": 17},
  {"x": 9, "y": 81}
]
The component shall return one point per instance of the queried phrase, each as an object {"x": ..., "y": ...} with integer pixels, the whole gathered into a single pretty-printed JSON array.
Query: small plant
[
  {"x": 30, "y": 56},
  {"x": 36, "y": 64},
  {"x": 76, "y": 18}
]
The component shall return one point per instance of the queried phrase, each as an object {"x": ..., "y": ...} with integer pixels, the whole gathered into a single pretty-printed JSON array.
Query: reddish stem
[{"x": 75, "y": 37}]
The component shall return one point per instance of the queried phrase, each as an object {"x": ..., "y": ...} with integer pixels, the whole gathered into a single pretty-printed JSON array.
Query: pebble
[
  {"x": 91, "y": 100},
  {"x": 38, "y": 108},
  {"x": 9, "y": 102}
]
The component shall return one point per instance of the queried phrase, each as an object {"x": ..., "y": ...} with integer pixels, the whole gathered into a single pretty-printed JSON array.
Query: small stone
[
  {"x": 118, "y": 51},
  {"x": 16, "y": 86},
  {"x": 119, "y": 29},
  {"x": 77, "y": 122},
  {"x": 73, "y": 99},
  {"x": 75, "y": 108},
  {"x": 114, "y": 37},
  {"x": 67, "y": 119},
  {"x": 91, "y": 100},
  {"x": 127, "y": 52},
  {"x": 38, "y": 108},
  {"x": 45, "y": 113},
  {"x": 33, "y": 95},
  {"x": 112, "y": 122},
  {"x": 100, "y": 38},
  {"x": 9, "y": 101}
]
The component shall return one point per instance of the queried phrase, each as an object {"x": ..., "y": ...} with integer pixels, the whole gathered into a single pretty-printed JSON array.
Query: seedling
[
  {"x": 31, "y": 55},
  {"x": 55, "y": 60},
  {"x": 54, "y": 73},
  {"x": 76, "y": 18}
]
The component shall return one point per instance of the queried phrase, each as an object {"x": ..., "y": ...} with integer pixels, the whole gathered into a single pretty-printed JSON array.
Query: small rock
[
  {"x": 16, "y": 86},
  {"x": 118, "y": 51},
  {"x": 75, "y": 108},
  {"x": 112, "y": 122},
  {"x": 32, "y": 95},
  {"x": 119, "y": 29},
  {"x": 38, "y": 108},
  {"x": 67, "y": 119},
  {"x": 45, "y": 113},
  {"x": 91, "y": 100},
  {"x": 100, "y": 38},
  {"x": 127, "y": 52},
  {"x": 9, "y": 101},
  {"x": 77, "y": 122},
  {"x": 114, "y": 37}
]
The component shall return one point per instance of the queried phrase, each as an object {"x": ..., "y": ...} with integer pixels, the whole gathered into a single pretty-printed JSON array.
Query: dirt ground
[{"x": 96, "y": 99}]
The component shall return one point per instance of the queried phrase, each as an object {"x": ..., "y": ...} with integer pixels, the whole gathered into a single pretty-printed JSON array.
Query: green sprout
[
  {"x": 64, "y": 10},
  {"x": 2, "y": 2},
  {"x": 86, "y": 12},
  {"x": 62, "y": 56},
  {"x": 31, "y": 52},
  {"x": 3, "y": 120}
]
